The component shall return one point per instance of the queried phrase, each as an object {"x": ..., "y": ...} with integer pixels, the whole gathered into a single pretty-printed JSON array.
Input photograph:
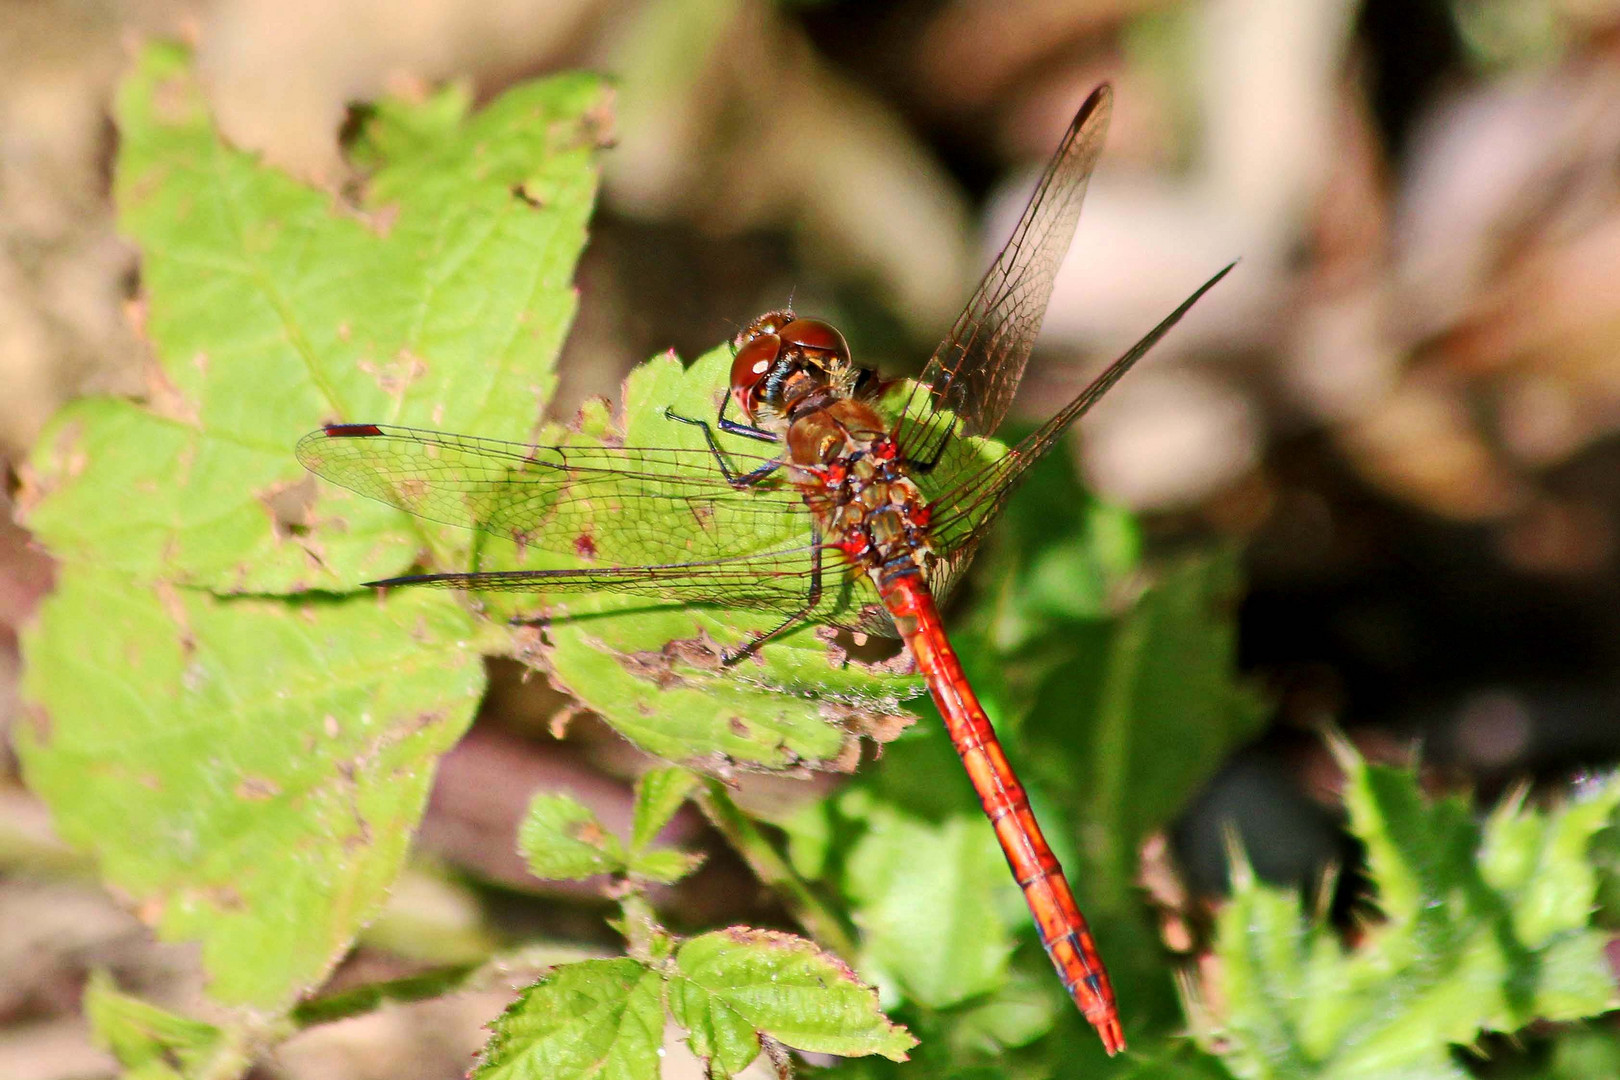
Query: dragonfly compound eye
[
  {"x": 817, "y": 335},
  {"x": 749, "y": 368},
  {"x": 769, "y": 323}
]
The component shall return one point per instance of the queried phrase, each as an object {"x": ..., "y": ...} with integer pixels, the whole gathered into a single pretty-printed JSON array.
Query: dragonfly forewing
[
  {"x": 603, "y": 505},
  {"x": 973, "y": 375},
  {"x": 657, "y": 522}
]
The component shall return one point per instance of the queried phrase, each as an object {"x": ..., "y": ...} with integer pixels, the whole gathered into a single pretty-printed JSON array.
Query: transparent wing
[
  {"x": 965, "y": 511},
  {"x": 612, "y": 505},
  {"x": 973, "y": 375}
]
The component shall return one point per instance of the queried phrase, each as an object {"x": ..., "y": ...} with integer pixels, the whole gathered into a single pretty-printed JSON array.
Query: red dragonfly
[{"x": 885, "y": 528}]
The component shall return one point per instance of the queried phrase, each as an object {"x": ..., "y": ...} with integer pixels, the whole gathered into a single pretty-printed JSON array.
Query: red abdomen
[{"x": 1062, "y": 928}]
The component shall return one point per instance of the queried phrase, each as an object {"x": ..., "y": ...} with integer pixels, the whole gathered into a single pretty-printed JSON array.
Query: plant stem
[
  {"x": 644, "y": 937},
  {"x": 773, "y": 870}
]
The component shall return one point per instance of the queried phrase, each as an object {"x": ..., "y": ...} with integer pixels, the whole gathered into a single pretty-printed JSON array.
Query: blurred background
[{"x": 1403, "y": 405}]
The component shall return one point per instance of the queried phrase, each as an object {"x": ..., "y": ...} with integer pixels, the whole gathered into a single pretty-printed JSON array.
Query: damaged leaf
[
  {"x": 272, "y": 307},
  {"x": 242, "y": 735},
  {"x": 250, "y": 771}
]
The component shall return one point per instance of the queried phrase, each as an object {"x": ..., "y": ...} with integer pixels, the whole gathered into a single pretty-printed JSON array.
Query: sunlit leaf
[
  {"x": 596, "y": 1018},
  {"x": 736, "y": 985},
  {"x": 935, "y": 904},
  {"x": 271, "y": 307},
  {"x": 654, "y": 672},
  {"x": 659, "y": 793},
  {"x": 248, "y": 771},
  {"x": 665, "y": 865}
]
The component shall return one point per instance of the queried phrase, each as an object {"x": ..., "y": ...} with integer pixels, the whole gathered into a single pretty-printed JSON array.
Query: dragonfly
[{"x": 886, "y": 528}]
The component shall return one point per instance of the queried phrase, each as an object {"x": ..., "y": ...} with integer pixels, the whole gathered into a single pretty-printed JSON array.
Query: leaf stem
[
  {"x": 773, "y": 870},
  {"x": 230, "y": 1059},
  {"x": 642, "y": 932}
]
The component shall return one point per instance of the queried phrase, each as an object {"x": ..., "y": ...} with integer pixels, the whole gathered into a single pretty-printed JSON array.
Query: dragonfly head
[{"x": 780, "y": 358}]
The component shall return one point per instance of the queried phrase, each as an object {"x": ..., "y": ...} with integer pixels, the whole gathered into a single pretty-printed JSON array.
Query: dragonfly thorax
[
  {"x": 786, "y": 366},
  {"x": 857, "y": 485}
]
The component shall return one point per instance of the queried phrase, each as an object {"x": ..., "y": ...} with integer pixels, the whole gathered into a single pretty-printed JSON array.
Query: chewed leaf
[
  {"x": 151, "y": 1043},
  {"x": 653, "y": 670},
  {"x": 596, "y": 1018},
  {"x": 251, "y": 771},
  {"x": 272, "y": 307},
  {"x": 562, "y": 839},
  {"x": 735, "y": 985}
]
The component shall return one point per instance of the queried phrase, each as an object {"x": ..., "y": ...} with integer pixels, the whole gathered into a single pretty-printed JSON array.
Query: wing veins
[{"x": 991, "y": 339}]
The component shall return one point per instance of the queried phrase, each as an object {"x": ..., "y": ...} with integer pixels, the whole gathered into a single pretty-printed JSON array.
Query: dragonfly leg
[
  {"x": 734, "y": 427},
  {"x": 812, "y": 597},
  {"x": 729, "y": 471}
]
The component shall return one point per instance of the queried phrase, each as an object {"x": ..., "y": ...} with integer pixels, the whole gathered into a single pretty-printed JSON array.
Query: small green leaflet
[
  {"x": 562, "y": 839},
  {"x": 1486, "y": 928},
  {"x": 152, "y": 1043},
  {"x": 659, "y": 793},
  {"x": 736, "y": 984}
]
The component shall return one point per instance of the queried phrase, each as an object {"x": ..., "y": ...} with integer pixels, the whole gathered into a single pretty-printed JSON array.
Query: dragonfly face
[{"x": 783, "y": 361}]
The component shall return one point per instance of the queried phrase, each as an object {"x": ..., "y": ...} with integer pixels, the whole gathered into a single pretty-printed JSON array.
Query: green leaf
[
  {"x": 1062, "y": 555},
  {"x": 659, "y": 793},
  {"x": 665, "y": 865},
  {"x": 271, "y": 306},
  {"x": 596, "y": 1018},
  {"x": 1486, "y": 930},
  {"x": 1133, "y": 717},
  {"x": 1018, "y": 1014},
  {"x": 152, "y": 1043},
  {"x": 249, "y": 771},
  {"x": 736, "y": 985},
  {"x": 935, "y": 903},
  {"x": 561, "y": 839}
]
